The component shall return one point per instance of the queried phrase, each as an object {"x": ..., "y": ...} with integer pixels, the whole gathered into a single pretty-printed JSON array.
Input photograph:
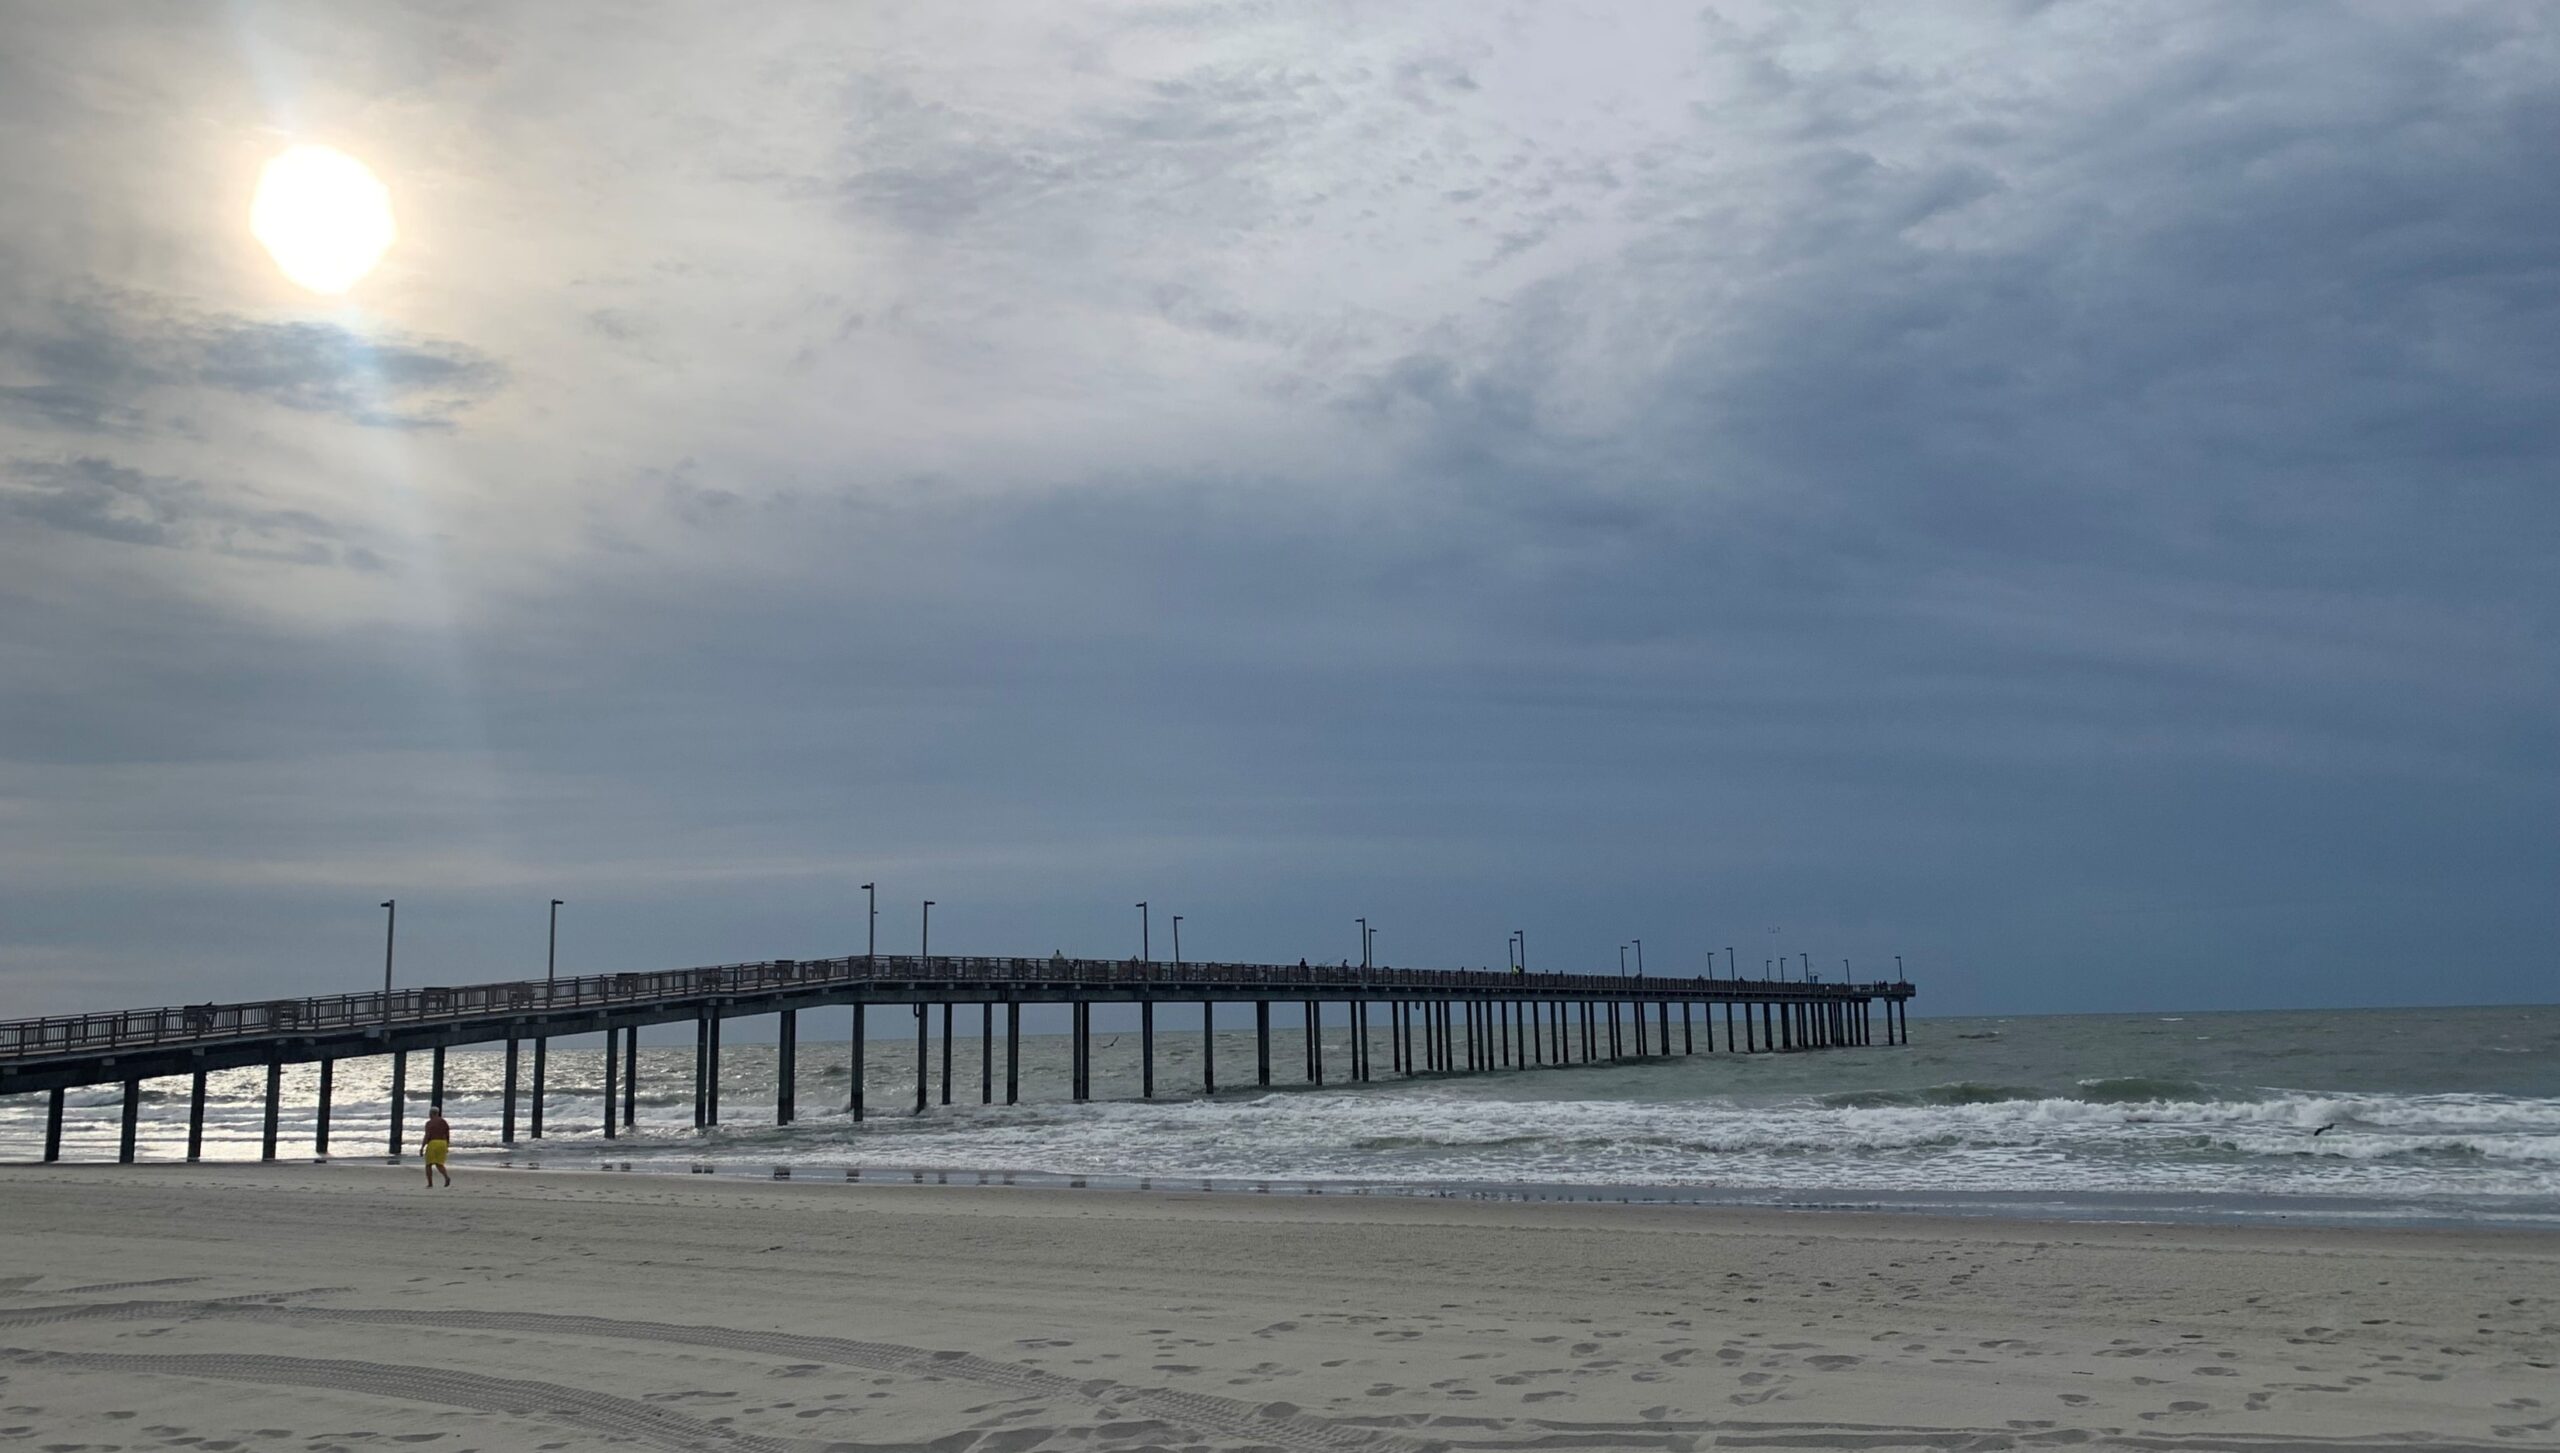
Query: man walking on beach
[{"x": 439, "y": 1143}]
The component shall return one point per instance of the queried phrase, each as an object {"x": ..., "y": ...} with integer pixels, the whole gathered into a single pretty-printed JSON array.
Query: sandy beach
[{"x": 343, "y": 1307}]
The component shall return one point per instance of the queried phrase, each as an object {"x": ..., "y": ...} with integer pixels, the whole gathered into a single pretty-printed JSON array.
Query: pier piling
[
  {"x": 507, "y": 1117},
  {"x": 132, "y": 1122},
  {"x": 320, "y": 1120},
  {"x": 275, "y": 1109},
  {"x": 854, "y": 1072},
  {"x": 399, "y": 1105},
  {"x": 786, "y": 1067}
]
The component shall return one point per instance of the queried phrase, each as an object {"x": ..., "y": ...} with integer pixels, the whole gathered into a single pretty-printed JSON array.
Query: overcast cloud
[{"x": 2062, "y": 492}]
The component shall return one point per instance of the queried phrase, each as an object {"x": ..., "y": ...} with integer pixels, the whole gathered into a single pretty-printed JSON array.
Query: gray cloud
[
  {"x": 93, "y": 358},
  {"x": 2060, "y": 495},
  {"x": 87, "y": 495}
]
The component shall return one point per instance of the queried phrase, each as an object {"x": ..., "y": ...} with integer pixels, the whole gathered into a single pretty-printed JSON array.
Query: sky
[{"x": 2064, "y": 493}]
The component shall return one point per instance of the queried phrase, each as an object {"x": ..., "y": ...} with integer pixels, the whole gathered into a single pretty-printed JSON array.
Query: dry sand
[{"x": 343, "y": 1307}]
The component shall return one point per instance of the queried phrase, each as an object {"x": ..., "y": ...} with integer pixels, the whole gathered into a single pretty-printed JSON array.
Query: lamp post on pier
[
  {"x": 1639, "y": 958},
  {"x": 390, "y": 932},
  {"x": 871, "y": 930},
  {"x": 1177, "y": 945},
  {"x": 1146, "y": 952},
  {"x": 924, "y": 952},
  {"x": 551, "y": 959},
  {"x": 1364, "y": 941}
]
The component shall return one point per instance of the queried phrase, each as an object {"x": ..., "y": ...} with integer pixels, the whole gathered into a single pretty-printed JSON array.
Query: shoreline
[{"x": 2519, "y": 1216}]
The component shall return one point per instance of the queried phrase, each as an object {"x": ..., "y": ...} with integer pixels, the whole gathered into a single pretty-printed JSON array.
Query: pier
[{"x": 1437, "y": 1022}]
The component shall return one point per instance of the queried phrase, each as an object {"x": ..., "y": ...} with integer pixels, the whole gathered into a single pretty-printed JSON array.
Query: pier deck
[{"x": 1439, "y": 1022}]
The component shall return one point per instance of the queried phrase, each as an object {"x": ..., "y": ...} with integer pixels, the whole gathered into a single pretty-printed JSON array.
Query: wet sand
[{"x": 344, "y": 1307}]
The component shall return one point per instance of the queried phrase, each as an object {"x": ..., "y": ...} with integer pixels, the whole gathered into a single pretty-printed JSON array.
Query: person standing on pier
[{"x": 439, "y": 1143}]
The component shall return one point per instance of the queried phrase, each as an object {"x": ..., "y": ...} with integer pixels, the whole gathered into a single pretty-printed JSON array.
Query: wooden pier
[{"x": 1438, "y": 1022}]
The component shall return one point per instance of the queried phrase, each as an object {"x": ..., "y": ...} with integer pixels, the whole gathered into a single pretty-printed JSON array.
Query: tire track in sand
[
  {"x": 516, "y": 1397},
  {"x": 1204, "y": 1412}
]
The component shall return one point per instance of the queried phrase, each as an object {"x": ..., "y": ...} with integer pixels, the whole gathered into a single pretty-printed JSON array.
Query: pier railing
[{"x": 183, "y": 1023}]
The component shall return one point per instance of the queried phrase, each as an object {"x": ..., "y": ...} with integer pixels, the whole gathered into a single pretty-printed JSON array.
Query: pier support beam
[
  {"x": 1013, "y": 1052},
  {"x": 320, "y": 1120},
  {"x": 924, "y": 1057},
  {"x": 275, "y": 1108},
  {"x": 630, "y": 1076},
  {"x": 1146, "y": 1049},
  {"x": 132, "y": 1122},
  {"x": 1315, "y": 1043},
  {"x": 701, "y": 1052},
  {"x": 541, "y": 1078},
  {"x": 435, "y": 1077},
  {"x": 786, "y": 1066},
  {"x": 507, "y": 1117},
  {"x": 855, "y": 1066},
  {"x": 1208, "y": 1048},
  {"x": 946, "y": 1053},
  {"x": 53, "y": 1125},
  {"x": 1262, "y": 1042},
  {"x": 711, "y": 1071},
  {"x": 195, "y": 1116},
  {"x": 399, "y": 1106},
  {"x": 612, "y": 1080},
  {"x": 1084, "y": 1051},
  {"x": 987, "y": 1052}
]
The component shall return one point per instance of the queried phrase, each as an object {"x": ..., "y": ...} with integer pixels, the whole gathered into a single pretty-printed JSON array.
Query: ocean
[{"x": 2405, "y": 1116}]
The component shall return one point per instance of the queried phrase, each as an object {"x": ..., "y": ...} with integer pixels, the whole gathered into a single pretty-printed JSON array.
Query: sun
[{"x": 323, "y": 216}]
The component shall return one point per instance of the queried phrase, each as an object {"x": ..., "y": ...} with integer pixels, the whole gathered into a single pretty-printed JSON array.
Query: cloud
[
  {"x": 1952, "y": 476},
  {"x": 87, "y": 495},
  {"x": 93, "y": 360}
]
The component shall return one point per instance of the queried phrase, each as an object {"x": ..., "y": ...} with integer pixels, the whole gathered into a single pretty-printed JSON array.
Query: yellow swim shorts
[{"x": 435, "y": 1152}]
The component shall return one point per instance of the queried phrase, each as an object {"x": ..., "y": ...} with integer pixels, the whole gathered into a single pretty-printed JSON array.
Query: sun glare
[{"x": 324, "y": 218}]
